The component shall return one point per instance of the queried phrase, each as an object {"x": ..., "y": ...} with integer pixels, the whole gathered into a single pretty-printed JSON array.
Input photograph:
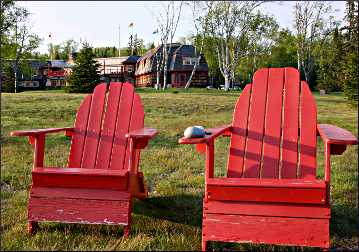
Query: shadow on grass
[
  {"x": 163, "y": 141},
  {"x": 183, "y": 208},
  {"x": 344, "y": 221}
]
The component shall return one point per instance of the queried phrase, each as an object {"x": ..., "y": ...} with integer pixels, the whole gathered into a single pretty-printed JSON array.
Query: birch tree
[
  {"x": 228, "y": 22},
  {"x": 311, "y": 29},
  {"x": 200, "y": 21},
  {"x": 167, "y": 20}
]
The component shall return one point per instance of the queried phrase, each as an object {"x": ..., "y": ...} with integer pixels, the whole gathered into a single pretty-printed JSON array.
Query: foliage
[
  {"x": 63, "y": 50},
  {"x": 330, "y": 72},
  {"x": 17, "y": 40},
  {"x": 85, "y": 75},
  {"x": 7, "y": 82},
  {"x": 135, "y": 45},
  {"x": 350, "y": 61}
]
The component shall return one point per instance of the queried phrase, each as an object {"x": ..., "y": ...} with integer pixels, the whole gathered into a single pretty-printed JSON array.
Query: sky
[{"x": 98, "y": 22}]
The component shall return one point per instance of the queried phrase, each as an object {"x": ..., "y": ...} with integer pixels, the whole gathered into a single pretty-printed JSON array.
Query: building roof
[
  {"x": 112, "y": 60},
  {"x": 175, "y": 59},
  {"x": 131, "y": 59}
]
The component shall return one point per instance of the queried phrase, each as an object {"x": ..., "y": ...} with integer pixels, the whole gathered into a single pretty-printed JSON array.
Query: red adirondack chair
[
  {"x": 271, "y": 194},
  {"x": 102, "y": 174}
]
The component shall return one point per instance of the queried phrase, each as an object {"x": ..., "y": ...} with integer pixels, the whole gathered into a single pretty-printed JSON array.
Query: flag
[
  {"x": 131, "y": 24},
  {"x": 155, "y": 31}
]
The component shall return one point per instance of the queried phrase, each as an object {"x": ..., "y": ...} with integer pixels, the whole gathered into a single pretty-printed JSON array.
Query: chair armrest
[
  {"x": 35, "y": 132},
  {"x": 140, "y": 137},
  {"x": 334, "y": 135},
  {"x": 215, "y": 132},
  {"x": 144, "y": 133}
]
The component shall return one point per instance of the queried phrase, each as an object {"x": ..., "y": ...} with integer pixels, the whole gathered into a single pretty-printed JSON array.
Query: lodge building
[{"x": 181, "y": 60}]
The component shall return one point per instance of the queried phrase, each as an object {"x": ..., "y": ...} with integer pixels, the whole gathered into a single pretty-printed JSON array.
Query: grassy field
[{"x": 170, "y": 219}]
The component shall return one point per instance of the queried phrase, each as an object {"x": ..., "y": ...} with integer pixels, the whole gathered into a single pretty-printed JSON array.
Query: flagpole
[{"x": 119, "y": 40}]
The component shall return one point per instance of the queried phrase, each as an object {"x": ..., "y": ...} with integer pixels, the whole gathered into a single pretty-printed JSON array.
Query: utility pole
[
  {"x": 119, "y": 40},
  {"x": 15, "y": 72}
]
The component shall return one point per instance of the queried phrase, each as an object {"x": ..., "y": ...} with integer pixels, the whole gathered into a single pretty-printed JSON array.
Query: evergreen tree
[
  {"x": 85, "y": 75},
  {"x": 350, "y": 64}
]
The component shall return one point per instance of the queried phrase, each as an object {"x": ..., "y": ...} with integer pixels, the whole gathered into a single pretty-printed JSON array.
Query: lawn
[{"x": 170, "y": 219}]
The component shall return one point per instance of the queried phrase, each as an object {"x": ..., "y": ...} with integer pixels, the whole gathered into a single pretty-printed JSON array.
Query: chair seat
[
  {"x": 80, "y": 178},
  {"x": 300, "y": 191}
]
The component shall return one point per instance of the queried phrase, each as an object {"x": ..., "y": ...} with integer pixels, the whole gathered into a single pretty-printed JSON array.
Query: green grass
[{"x": 170, "y": 219}]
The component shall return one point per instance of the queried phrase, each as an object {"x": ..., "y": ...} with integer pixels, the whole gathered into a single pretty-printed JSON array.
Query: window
[
  {"x": 129, "y": 68},
  {"x": 189, "y": 60}
]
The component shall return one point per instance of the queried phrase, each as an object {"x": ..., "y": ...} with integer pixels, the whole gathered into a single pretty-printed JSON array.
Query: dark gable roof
[
  {"x": 186, "y": 51},
  {"x": 175, "y": 61},
  {"x": 131, "y": 59}
]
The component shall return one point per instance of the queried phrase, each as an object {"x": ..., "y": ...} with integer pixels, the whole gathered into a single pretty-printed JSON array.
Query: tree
[
  {"x": 167, "y": 20},
  {"x": 312, "y": 29},
  {"x": 350, "y": 62},
  {"x": 85, "y": 75},
  {"x": 200, "y": 20},
  {"x": 17, "y": 39},
  {"x": 330, "y": 63},
  {"x": 228, "y": 22}
]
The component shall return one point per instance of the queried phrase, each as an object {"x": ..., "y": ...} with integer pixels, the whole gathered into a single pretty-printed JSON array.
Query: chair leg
[
  {"x": 126, "y": 231},
  {"x": 32, "y": 227},
  {"x": 204, "y": 245}
]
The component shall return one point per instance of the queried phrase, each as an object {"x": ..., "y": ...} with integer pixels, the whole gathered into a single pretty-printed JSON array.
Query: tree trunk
[
  {"x": 165, "y": 56},
  {"x": 193, "y": 72},
  {"x": 227, "y": 81}
]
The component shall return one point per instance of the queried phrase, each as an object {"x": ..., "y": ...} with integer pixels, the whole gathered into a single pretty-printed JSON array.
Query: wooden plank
[
  {"x": 78, "y": 138},
  {"x": 122, "y": 126},
  {"x": 239, "y": 133},
  {"x": 335, "y": 135},
  {"x": 94, "y": 126},
  {"x": 267, "y": 194},
  {"x": 267, "y": 230},
  {"x": 290, "y": 124},
  {"x": 308, "y": 133},
  {"x": 136, "y": 122},
  {"x": 292, "y": 183},
  {"x": 77, "y": 211},
  {"x": 34, "y": 132},
  {"x": 79, "y": 193},
  {"x": 273, "y": 120},
  {"x": 253, "y": 152},
  {"x": 109, "y": 124},
  {"x": 267, "y": 209},
  {"x": 75, "y": 177}
]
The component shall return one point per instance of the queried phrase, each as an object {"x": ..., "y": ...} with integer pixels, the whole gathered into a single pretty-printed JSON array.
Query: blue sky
[{"x": 98, "y": 21}]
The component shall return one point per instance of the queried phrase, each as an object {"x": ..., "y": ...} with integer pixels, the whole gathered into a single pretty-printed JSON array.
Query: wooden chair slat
[
  {"x": 109, "y": 125},
  {"x": 239, "y": 133},
  {"x": 273, "y": 119},
  {"x": 290, "y": 124},
  {"x": 253, "y": 152},
  {"x": 137, "y": 122},
  {"x": 79, "y": 135},
  {"x": 123, "y": 122},
  {"x": 308, "y": 133},
  {"x": 94, "y": 127}
]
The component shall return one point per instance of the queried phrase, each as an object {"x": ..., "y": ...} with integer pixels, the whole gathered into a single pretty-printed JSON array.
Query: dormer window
[{"x": 189, "y": 60}]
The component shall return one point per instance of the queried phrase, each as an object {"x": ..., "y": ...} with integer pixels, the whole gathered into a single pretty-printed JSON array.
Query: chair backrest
[
  {"x": 274, "y": 128},
  {"x": 102, "y": 122}
]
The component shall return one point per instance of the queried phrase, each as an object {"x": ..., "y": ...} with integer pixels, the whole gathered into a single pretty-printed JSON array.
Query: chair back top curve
[
  {"x": 102, "y": 122},
  {"x": 274, "y": 128}
]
